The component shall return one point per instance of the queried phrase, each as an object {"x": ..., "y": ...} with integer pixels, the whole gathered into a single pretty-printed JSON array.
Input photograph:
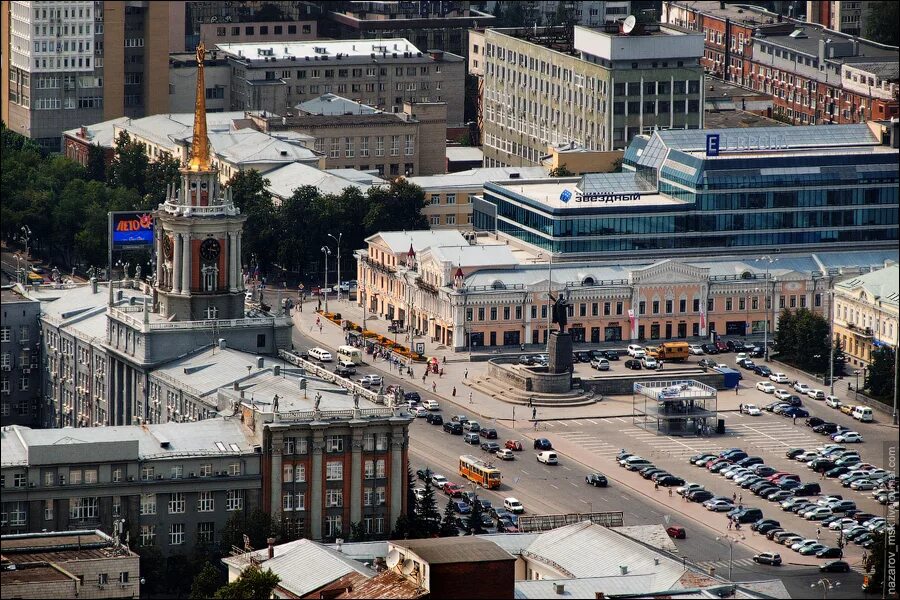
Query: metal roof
[
  {"x": 481, "y": 255},
  {"x": 284, "y": 180},
  {"x": 399, "y": 242},
  {"x": 332, "y": 104},
  {"x": 812, "y": 136},
  {"x": 882, "y": 283},
  {"x": 316, "y": 49},
  {"x": 455, "y": 550},
  {"x": 587, "y": 587},
  {"x": 474, "y": 179},
  {"x": 464, "y": 153}
]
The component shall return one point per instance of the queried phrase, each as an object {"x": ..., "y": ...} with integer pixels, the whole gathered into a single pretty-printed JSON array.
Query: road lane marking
[
  {"x": 524, "y": 472},
  {"x": 573, "y": 484},
  {"x": 566, "y": 468},
  {"x": 554, "y": 487},
  {"x": 592, "y": 422}
]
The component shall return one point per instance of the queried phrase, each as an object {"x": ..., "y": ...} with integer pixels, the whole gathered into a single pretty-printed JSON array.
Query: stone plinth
[{"x": 559, "y": 349}]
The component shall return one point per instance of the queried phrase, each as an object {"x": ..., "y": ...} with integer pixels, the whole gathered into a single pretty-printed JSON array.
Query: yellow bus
[{"x": 479, "y": 471}]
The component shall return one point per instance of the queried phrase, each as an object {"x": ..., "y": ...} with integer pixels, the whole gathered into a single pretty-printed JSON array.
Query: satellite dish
[
  {"x": 392, "y": 559},
  {"x": 628, "y": 24},
  {"x": 407, "y": 567}
]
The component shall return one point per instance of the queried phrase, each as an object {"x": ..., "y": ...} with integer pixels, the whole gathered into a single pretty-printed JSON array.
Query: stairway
[{"x": 512, "y": 395}]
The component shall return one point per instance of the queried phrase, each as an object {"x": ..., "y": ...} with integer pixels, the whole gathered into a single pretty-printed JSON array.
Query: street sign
[{"x": 420, "y": 348}]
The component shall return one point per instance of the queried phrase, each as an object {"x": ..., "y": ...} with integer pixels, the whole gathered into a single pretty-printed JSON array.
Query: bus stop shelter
[{"x": 675, "y": 407}]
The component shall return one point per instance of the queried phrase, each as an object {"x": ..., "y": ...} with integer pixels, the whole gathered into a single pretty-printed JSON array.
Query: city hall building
[{"x": 690, "y": 192}]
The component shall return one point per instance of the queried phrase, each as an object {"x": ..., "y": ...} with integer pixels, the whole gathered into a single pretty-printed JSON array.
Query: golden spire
[{"x": 200, "y": 143}]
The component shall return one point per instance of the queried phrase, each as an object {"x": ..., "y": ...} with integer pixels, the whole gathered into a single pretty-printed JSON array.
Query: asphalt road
[{"x": 562, "y": 489}]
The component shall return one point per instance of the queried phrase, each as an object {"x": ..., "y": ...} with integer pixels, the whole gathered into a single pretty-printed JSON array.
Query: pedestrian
[
  {"x": 466, "y": 374},
  {"x": 729, "y": 524},
  {"x": 795, "y": 419},
  {"x": 470, "y": 398},
  {"x": 454, "y": 392},
  {"x": 670, "y": 492},
  {"x": 445, "y": 361},
  {"x": 741, "y": 500},
  {"x": 423, "y": 376},
  {"x": 733, "y": 497},
  {"x": 656, "y": 486},
  {"x": 320, "y": 329},
  {"x": 736, "y": 388},
  {"x": 533, "y": 412},
  {"x": 534, "y": 425},
  {"x": 818, "y": 533},
  {"x": 441, "y": 372},
  {"x": 741, "y": 407},
  {"x": 434, "y": 386}
]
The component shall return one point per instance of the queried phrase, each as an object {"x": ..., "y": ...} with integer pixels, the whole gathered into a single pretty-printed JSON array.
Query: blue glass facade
[{"x": 774, "y": 199}]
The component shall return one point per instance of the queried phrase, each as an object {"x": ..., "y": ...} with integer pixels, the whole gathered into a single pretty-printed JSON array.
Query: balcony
[
  {"x": 425, "y": 286},
  {"x": 863, "y": 332},
  {"x": 379, "y": 267}
]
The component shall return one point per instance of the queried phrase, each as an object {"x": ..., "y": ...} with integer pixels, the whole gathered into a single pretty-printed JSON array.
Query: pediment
[{"x": 668, "y": 272}]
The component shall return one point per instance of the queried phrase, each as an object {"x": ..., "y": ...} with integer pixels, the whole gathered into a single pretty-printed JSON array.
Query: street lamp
[
  {"x": 826, "y": 585},
  {"x": 730, "y": 542},
  {"x": 768, "y": 260},
  {"x": 338, "y": 240},
  {"x": 856, "y": 385},
  {"x": 26, "y": 233},
  {"x": 326, "y": 251},
  {"x": 549, "y": 287}
]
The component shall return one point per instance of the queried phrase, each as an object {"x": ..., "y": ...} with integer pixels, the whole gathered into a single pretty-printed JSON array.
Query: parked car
[
  {"x": 835, "y": 566},
  {"x": 699, "y": 495},
  {"x": 471, "y": 438},
  {"x": 766, "y": 387},
  {"x": 489, "y": 433},
  {"x": 431, "y": 405},
  {"x": 491, "y": 447},
  {"x": 473, "y": 426},
  {"x": 801, "y": 387},
  {"x": 848, "y": 437},
  {"x": 601, "y": 364},
  {"x": 816, "y": 394},
  {"x": 751, "y": 409},
  {"x": 695, "y": 349},
  {"x": 513, "y": 505},
  {"x": 434, "y": 419},
  {"x": 833, "y": 402},
  {"x": 779, "y": 378},
  {"x": 453, "y": 428},
  {"x": 452, "y": 490},
  {"x": 707, "y": 363},
  {"x": 676, "y": 532},
  {"x": 709, "y": 349},
  {"x": 633, "y": 364}
]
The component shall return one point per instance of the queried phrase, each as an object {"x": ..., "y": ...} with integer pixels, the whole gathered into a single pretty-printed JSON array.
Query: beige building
[
  {"x": 865, "y": 313},
  {"x": 578, "y": 160},
  {"x": 598, "y": 90},
  {"x": 448, "y": 196},
  {"x": 382, "y": 73},
  {"x": 66, "y": 64},
  {"x": 351, "y": 135},
  {"x": 68, "y": 564}
]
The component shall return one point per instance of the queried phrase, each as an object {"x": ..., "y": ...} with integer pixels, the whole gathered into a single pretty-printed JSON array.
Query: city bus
[
  {"x": 479, "y": 471},
  {"x": 350, "y": 353}
]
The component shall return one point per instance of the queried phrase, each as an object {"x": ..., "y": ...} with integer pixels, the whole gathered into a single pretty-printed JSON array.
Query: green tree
[
  {"x": 561, "y": 171},
  {"x": 429, "y": 515},
  {"x": 875, "y": 560},
  {"x": 206, "y": 582},
  {"x": 96, "y": 163},
  {"x": 403, "y": 529},
  {"x": 153, "y": 569},
  {"x": 474, "y": 521},
  {"x": 396, "y": 207},
  {"x": 448, "y": 523},
  {"x": 881, "y": 22},
  {"x": 257, "y": 525},
  {"x": 880, "y": 379},
  {"x": 357, "y": 532},
  {"x": 412, "y": 507},
  {"x": 129, "y": 165},
  {"x": 254, "y": 583},
  {"x": 786, "y": 337},
  {"x": 261, "y": 228}
]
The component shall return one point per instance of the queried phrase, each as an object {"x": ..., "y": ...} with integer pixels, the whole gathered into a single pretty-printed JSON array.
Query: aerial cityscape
[{"x": 449, "y": 299}]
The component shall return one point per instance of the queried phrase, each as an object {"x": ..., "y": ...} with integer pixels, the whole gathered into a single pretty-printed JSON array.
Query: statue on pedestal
[{"x": 560, "y": 311}]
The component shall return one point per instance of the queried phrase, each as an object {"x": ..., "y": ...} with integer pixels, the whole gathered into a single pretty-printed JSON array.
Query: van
[
  {"x": 320, "y": 354},
  {"x": 351, "y": 354},
  {"x": 863, "y": 413},
  {"x": 673, "y": 351},
  {"x": 349, "y": 365},
  {"x": 548, "y": 458}
]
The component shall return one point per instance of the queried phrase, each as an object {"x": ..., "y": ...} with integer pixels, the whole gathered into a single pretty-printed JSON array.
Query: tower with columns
[{"x": 198, "y": 236}]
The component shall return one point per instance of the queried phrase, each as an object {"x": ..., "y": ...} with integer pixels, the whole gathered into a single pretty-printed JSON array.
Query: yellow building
[{"x": 865, "y": 313}]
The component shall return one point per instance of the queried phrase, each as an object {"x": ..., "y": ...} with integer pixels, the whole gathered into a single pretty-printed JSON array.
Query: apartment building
[
  {"x": 351, "y": 135},
  {"x": 20, "y": 359},
  {"x": 174, "y": 486},
  {"x": 814, "y": 75},
  {"x": 428, "y": 25},
  {"x": 590, "y": 13},
  {"x": 63, "y": 565},
  {"x": 598, "y": 91},
  {"x": 183, "y": 82},
  {"x": 65, "y": 64},
  {"x": 839, "y": 15},
  {"x": 382, "y": 74},
  {"x": 865, "y": 313}
]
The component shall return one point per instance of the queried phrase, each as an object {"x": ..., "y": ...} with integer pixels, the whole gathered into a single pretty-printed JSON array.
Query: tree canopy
[
  {"x": 881, "y": 22},
  {"x": 253, "y": 584},
  {"x": 803, "y": 340}
]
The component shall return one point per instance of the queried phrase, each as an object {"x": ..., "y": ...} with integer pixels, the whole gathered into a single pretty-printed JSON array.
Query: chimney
[
  {"x": 624, "y": 569},
  {"x": 721, "y": 6},
  {"x": 260, "y": 362},
  {"x": 559, "y": 588},
  {"x": 271, "y": 543},
  {"x": 235, "y": 386},
  {"x": 221, "y": 343},
  {"x": 339, "y": 542},
  {"x": 599, "y": 595},
  {"x": 94, "y": 285},
  {"x": 276, "y": 370}
]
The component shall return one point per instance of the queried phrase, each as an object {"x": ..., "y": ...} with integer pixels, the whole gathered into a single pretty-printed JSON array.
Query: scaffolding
[{"x": 675, "y": 407}]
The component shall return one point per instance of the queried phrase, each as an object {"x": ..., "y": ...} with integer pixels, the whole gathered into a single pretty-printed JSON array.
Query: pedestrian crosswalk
[
  {"x": 590, "y": 442},
  {"x": 721, "y": 566}
]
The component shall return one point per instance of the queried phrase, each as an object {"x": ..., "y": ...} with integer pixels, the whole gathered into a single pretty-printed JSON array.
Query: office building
[
  {"x": 351, "y": 135},
  {"x": 477, "y": 291},
  {"x": 589, "y": 13},
  {"x": 839, "y": 15},
  {"x": 381, "y": 73},
  {"x": 428, "y": 25},
  {"x": 20, "y": 359},
  {"x": 749, "y": 191},
  {"x": 65, "y": 64},
  {"x": 598, "y": 89},
  {"x": 865, "y": 313},
  {"x": 183, "y": 82},
  {"x": 171, "y": 486},
  {"x": 814, "y": 75},
  {"x": 448, "y": 196},
  {"x": 84, "y": 563}
]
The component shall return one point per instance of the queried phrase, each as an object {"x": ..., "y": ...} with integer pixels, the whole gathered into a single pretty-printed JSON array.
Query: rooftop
[
  {"x": 100, "y": 134},
  {"x": 882, "y": 283},
  {"x": 565, "y": 194},
  {"x": 473, "y": 256},
  {"x": 284, "y": 180},
  {"x": 316, "y": 51},
  {"x": 399, "y": 242},
  {"x": 474, "y": 179},
  {"x": 725, "y": 118},
  {"x": 331, "y": 104},
  {"x": 9, "y": 294},
  {"x": 455, "y": 550},
  {"x": 61, "y": 546},
  {"x": 464, "y": 154},
  {"x": 38, "y": 572}
]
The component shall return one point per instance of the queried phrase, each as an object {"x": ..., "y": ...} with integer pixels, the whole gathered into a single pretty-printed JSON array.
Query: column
[
  {"x": 316, "y": 480},
  {"x": 176, "y": 265},
  {"x": 356, "y": 475},
  {"x": 275, "y": 477},
  {"x": 398, "y": 474},
  {"x": 232, "y": 270},
  {"x": 160, "y": 258},
  {"x": 237, "y": 259},
  {"x": 186, "y": 264}
]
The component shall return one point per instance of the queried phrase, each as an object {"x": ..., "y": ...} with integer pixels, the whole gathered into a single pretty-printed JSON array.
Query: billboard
[{"x": 131, "y": 229}]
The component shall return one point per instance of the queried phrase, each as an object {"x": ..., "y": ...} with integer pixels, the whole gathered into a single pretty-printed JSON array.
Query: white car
[
  {"x": 842, "y": 523},
  {"x": 695, "y": 349},
  {"x": 741, "y": 356},
  {"x": 766, "y": 387},
  {"x": 818, "y": 513},
  {"x": 370, "y": 380},
  {"x": 718, "y": 505},
  {"x": 431, "y": 404},
  {"x": 806, "y": 456},
  {"x": 798, "y": 545},
  {"x": 752, "y": 410},
  {"x": 849, "y": 437},
  {"x": 833, "y": 401},
  {"x": 513, "y": 505},
  {"x": 439, "y": 481},
  {"x": 783, "y": 394},
  {"x": 419, "y": 411},
  {"x": 688, "y": 488},
  {"x": 639, "y": 354},
  {"x": 505, "y": 454},
  {"x": 632, "y": 348},
  {"x": 649, "y": 362},
  {"x": 801, "y": 387},
  {"x": 816, "y": 394},
  {"x": 779, "y": 378}
]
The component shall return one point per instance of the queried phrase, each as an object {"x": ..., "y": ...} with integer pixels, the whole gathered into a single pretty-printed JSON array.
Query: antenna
[
  {"x": 392, "y": 559},
  {"x": 407, "y": 567},
  {"x": 628, "y": 24}
]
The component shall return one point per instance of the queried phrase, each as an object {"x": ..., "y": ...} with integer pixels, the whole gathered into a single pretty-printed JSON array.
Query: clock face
[
  {"x": 209, "y": 249},
  {"x": 167, "y": 247}
]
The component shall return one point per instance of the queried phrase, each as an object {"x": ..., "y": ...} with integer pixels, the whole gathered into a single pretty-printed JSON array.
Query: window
[
  {"x": 205, "y": 470},
  {"x": 300, "y": 473},
  {"x": 4, "y": 333},
  {"x": 379, "y": 496},
  {"x": 117, "y": 506},
  {"x": 379, "y": 468},
  {"x": 300, "y": 503},
  {"x": 17, "y": 515},
  {"x": 395, "y": 145},
  {"x": 176, "y": 503},
  {"x": 48, "y": 510},
  {"x": 381, "y": 442},
  {"x": 148, "y": 504},
  {"x": 123, "y": 577},
  {"x": 334, "y": 498},
  {"x": 148, "y": 535},
  {"x": 102, "y": 578},
  {"x": 90, "y": 475},
  {"x": 81, "y": 509},
  {"x": 287, "y": 502},
  {"x": 656, "y": 307},
  {"x": 234, "y": 500},
  {"x": 333, "y": 526},
  {"x": 205, "y": 502},
  {"x": 669, "y": 307},
  {"x": 642, "y": 307},
  {"x": 176, "y": 472},
  {"x": 409, "y": 145},
  {"x": 348, "y": 147},
  {"x": 75, "y": 477},
  {"x": 117, "y": 474},
  {"x": 147, "y": 472},
  {"x": 379, "y": 145},
  {"x": 370, "y": 469},
  {"x": 729, "y": 303},
  {"x": 176, "y": 534},
  {"x": 234, "y": 469},
  {"x": 19, "y": 480},
  {"x": 451, "y": 198},
  {"x": 334, "y": 471},
  {"x": 335, "y": 443}
]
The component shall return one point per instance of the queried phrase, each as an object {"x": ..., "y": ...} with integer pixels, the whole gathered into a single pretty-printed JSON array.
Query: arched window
[
  {"x": 210, "y": 277},
  {"x": 498, "y": 285},
  {"x": 587, "y": 281}
]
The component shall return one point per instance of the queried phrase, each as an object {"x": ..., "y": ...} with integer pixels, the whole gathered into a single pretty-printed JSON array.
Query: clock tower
[{"x": 198, "y": 235}]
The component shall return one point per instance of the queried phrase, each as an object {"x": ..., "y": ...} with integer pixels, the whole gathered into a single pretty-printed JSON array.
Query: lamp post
[
  {"x": 338, "y": 240},
  {"x": 362, "y": 292},
  {"x": 768, "y": 260},
  {"x": 730, "y": 543},
  {"x": 326, "y": 251},
  {"x": 26, "y": 233},
  {"x": 826, "y": 584},
  {"x": 856, "y": 384},
  {"x": 830, "y": 292}
]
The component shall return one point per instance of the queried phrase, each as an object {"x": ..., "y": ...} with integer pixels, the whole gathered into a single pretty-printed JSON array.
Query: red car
[
  {"x": 513, "y": 445},
  {"x": 453, "y": 490},
  {"x": 676, "y": 531},
  {"x": 780, "y": 474},
  {"x": 719, "y": 461}
]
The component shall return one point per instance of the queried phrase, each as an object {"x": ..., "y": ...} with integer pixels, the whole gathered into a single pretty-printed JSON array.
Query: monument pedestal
[{"x": 559, "y": 349}]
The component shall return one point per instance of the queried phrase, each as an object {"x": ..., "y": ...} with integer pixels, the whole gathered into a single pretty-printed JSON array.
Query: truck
[{"x": 670, "y": 351}]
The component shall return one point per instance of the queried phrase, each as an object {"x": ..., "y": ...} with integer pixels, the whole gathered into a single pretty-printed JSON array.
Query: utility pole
[
  {"x": 338, "y": 240},
  {"x": 326, "y": 251},
  {"x": 830, "y": 293}
]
